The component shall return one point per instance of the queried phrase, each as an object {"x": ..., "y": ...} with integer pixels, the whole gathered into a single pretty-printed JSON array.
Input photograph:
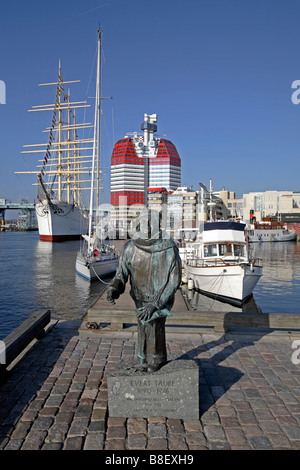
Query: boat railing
[{"x": 200, "y": 262}]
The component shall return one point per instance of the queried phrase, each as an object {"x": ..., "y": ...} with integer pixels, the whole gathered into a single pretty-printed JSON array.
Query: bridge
[{"x": 26, "y": 215}]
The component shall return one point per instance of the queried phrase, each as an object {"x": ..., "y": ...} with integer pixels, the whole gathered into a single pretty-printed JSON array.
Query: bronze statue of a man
[{"x": 152, "y": 263}]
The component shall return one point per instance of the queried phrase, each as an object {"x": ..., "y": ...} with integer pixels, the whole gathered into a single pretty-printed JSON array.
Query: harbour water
[
  {"x": 37, "y": 275},
  {"x": 277, "y": 291}
]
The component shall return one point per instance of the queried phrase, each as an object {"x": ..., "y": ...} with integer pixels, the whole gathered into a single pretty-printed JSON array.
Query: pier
[
  {"x": 184, "y": 319},
  {"x": 54, "y": 395}
]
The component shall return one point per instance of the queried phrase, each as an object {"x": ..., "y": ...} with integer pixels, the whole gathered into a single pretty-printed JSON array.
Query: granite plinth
[{"x": 172, "y": 391}]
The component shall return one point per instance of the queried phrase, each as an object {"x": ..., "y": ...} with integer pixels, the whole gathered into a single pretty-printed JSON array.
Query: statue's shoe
[{"x": 154, "y": 367}]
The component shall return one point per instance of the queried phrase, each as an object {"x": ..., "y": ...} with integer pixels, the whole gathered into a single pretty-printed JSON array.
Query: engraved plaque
[{"x": 172, "y": 391}]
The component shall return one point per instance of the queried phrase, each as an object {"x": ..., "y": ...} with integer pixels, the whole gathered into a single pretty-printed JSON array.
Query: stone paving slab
[{"x": 55, "y": 397}]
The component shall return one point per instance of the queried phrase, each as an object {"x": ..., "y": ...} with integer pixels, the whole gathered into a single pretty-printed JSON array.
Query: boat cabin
[{"x": 223, "y": 239}]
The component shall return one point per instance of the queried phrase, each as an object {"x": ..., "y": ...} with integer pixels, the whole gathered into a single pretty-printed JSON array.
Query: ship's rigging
[{"x": 64, "y": 172}]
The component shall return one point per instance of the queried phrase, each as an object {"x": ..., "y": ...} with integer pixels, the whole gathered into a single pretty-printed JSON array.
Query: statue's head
[{"x": 148, "y": 225}]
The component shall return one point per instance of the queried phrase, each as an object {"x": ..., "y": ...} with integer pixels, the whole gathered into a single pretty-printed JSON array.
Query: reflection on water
[
  {"x": 204, "y": 303},
  {"x": 278, "y": 290},
  {"x": 16, "y": 279},
  {"x": 37, "y": 275},
  {"x": 67, "y": 294}
]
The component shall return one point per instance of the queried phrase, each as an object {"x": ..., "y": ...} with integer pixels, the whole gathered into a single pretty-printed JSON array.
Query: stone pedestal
[{"x": 171, "y": 392}]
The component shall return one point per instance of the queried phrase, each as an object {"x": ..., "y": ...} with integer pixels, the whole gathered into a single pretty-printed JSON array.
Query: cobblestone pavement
[{"x": 55, "y": 398}]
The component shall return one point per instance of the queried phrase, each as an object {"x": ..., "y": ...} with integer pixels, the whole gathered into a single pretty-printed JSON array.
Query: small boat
[
  {"x": 219, "y": 264},
  {"x": 269, "y": 230},
  {"x": 96, "y": 258},
  {"x": 95, "y": 263}
]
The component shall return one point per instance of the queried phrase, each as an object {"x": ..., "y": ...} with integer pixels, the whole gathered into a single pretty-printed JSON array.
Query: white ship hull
[
  {"x": 271, "y": 235},
  {"x": 231, "y": 282},
  {"x": 60, "y": 221},
  {"x": 94, "y": 268}
]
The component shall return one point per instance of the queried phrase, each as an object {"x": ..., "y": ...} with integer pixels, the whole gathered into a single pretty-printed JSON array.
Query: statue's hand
[
  {"x": 145, "y": 313},
  {"x": 110, "y": 296}
]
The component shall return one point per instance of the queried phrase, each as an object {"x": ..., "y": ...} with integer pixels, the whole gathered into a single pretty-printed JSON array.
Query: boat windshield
[
  {"x": 238, "y": 250},
  {"x": 223, "y": 249},
  {"x": 210, "y": 250}
]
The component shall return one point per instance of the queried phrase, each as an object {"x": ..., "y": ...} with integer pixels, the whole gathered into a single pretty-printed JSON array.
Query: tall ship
[{"x": 63, "y": 170}]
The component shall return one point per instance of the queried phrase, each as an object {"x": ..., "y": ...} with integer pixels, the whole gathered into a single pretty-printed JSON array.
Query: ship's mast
[
  {"x": 59, "y": 133},
  {"x": 211, "y": 204},
  {"x": 96, "y": 145},
  {"x": 98, "y": 114},
  {"x": 68, "y": 152},
  {"x": 76, "y": 165}
]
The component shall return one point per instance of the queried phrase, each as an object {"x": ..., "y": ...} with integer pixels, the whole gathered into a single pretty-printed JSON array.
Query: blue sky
[{"x": 217, "y": 72}]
